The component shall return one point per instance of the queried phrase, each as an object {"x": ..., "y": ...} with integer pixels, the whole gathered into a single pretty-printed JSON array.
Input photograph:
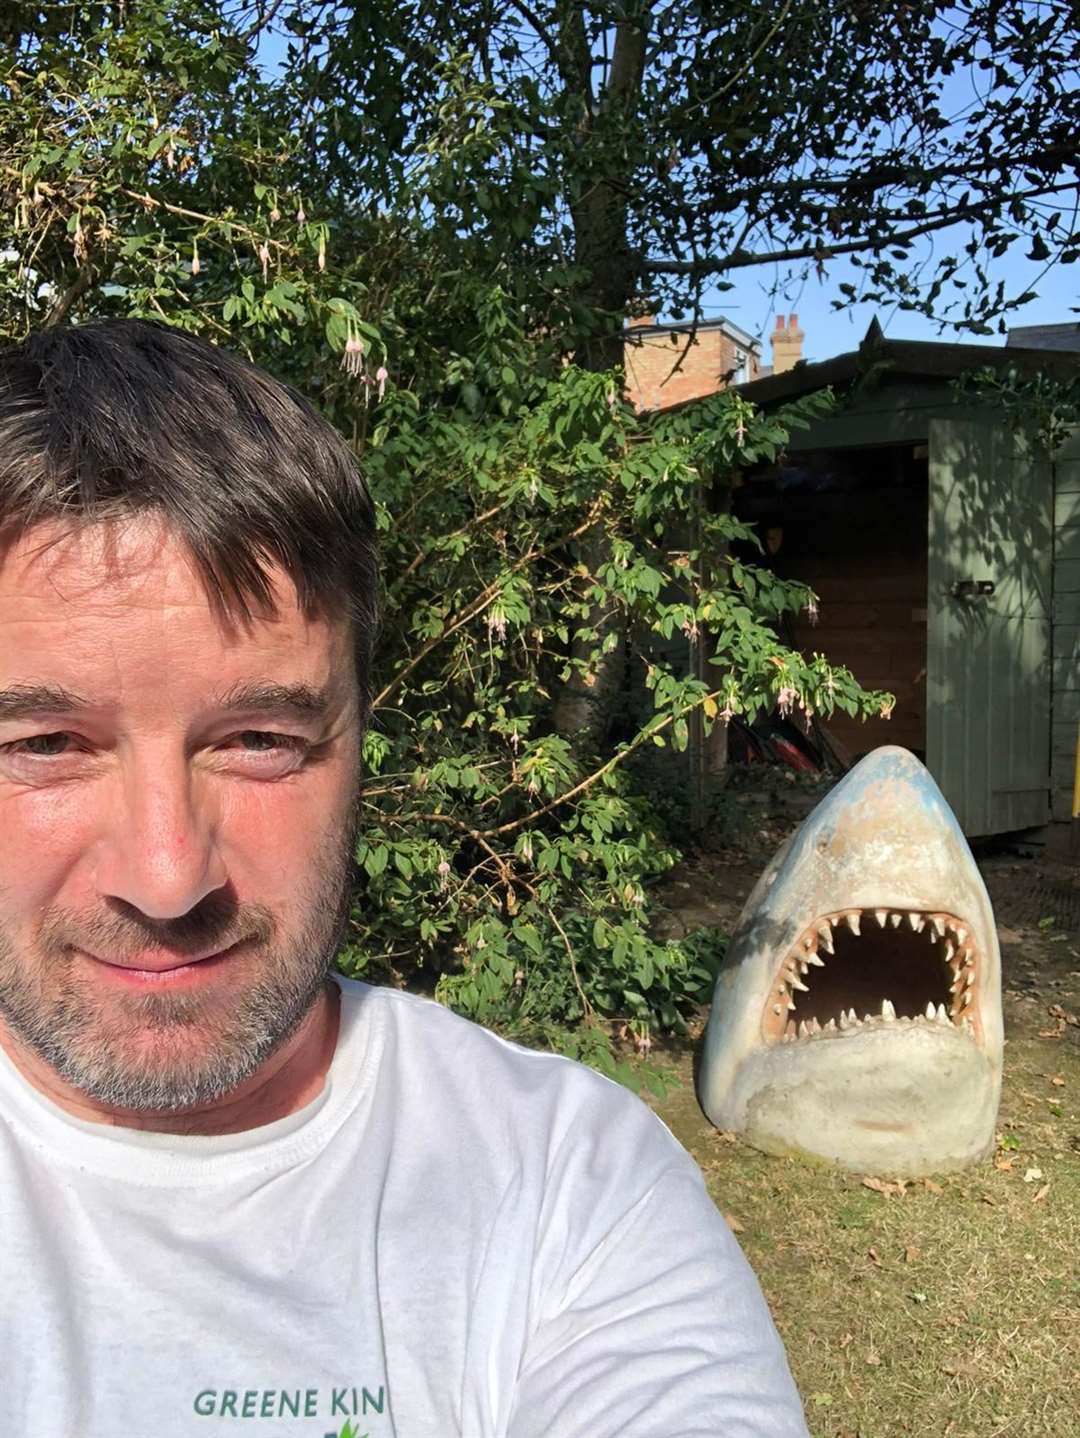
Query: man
[{"x": 237, "y": 1193}]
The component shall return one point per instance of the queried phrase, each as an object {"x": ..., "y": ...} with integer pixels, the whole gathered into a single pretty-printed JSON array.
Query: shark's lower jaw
[{"x": 876, "y": 967}]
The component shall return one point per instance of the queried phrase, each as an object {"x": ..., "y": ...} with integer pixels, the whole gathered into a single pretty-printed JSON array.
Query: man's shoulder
[
  {"x": 456, "y": 1063},
  {"x": 428, "y": 1033}
]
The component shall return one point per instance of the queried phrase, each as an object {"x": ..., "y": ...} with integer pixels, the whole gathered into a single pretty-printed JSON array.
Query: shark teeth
[
  {"x": 849, "y": 1021},
  {"x": 847, "y": 939}
]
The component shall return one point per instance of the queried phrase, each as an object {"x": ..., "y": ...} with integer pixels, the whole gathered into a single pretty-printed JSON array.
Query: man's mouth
[{"x": 161, "y": 966}]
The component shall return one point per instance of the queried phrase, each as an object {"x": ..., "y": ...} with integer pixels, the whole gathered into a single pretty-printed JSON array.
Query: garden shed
[{"x": 943, "y": 541}]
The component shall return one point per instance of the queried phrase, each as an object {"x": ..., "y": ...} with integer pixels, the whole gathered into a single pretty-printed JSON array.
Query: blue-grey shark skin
[{"x": 875, "y": 899}]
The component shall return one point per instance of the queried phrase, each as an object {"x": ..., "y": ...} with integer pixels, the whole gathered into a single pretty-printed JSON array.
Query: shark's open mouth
[{"x": 872, "y": 967}]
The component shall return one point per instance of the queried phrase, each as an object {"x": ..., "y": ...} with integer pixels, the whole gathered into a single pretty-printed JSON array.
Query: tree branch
[
  {"x": 750, "y": 62},
  {"x": 613, "y": 763},
  {"x": 479, "y": 604},
  {"x": 740, "y": 260},
  {"x": 264, "y": 18},
  {"x": 71, "y": 296},
  {"x": 869, "y": 181},
  {"x": 529, "y": 15}
]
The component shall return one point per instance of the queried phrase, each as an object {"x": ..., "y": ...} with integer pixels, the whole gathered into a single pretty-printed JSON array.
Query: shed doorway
[{"x": 852, "y": 524}]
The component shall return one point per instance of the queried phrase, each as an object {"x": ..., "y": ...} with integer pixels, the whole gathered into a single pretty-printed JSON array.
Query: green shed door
[{"x": 988, "y": 624}]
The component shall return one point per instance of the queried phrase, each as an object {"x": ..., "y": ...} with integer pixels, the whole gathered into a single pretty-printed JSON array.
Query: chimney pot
[{"x": 787, "y": 343}]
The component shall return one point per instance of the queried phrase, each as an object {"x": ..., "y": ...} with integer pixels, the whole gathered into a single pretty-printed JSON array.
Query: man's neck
[{"x": 291, "y": 1078}]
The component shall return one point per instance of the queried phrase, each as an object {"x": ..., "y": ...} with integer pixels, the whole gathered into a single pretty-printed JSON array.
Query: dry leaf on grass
[
  {"x": 887, "y": 1190},
  {"x": 734, "y": 1224},
  {"x": 962, "y": 1368},
  {"x": 1041, "y": 1193}
]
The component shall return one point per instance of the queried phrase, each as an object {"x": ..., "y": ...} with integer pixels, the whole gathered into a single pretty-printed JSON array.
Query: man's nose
[{"x": 160, "y": 852}]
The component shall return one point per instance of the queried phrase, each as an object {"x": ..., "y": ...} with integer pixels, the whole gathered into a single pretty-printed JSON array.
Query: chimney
[
  {"x": 786, "y": 344},
  {"x": 639, "y": 321}
]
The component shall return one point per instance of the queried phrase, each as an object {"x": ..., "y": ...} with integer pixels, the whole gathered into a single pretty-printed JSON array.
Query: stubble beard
[{"x": 168, "y": 1052}]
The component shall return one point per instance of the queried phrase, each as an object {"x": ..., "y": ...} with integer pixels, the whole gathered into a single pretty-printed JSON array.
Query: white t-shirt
[{"x": 458, "y": 1239}]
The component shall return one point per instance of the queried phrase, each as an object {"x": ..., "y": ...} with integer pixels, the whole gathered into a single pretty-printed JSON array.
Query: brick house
[{"x": 669, "y": 364}]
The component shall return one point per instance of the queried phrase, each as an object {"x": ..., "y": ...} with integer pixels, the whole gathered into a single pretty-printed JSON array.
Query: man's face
[{"x": 176, "y": 816}]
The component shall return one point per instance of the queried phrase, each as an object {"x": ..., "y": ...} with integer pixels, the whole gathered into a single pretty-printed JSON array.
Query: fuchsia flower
[
  {"x": 381, "y": 376},
  {"x": 352, "y": 361}
]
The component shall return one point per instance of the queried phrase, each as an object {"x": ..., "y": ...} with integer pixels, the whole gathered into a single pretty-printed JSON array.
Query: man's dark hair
[{"x": 123, "y": 417}]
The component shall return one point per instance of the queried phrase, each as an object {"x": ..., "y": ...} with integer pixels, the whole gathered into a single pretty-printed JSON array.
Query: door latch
[{"x": 971, "y": 588}]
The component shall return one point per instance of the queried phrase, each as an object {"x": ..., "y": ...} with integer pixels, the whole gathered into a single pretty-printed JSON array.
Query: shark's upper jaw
[{"x": 858, "y": 967}]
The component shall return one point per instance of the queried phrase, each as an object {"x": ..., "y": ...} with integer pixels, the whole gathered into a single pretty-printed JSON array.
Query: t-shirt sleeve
[{"x": 652, "y": 1322}]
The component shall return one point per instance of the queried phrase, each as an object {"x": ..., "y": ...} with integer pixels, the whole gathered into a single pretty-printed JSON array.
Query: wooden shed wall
[
  {"x": 864, "y": 555},
  {"x": 1066, "y": 627}
]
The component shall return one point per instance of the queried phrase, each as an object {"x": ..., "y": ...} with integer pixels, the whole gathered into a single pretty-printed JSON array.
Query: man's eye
[
  {"x": 264, "y": 741},
  {"x": 46, "y": 746},
  {"x": 259, "y": 741}
]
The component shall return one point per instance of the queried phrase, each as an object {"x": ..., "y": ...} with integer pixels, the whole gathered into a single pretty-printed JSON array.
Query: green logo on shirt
[{"x": 277, "y": 1403}]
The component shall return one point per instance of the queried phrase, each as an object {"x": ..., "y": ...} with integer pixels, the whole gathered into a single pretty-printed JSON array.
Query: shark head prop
[{"x": 857, "y": 1016}]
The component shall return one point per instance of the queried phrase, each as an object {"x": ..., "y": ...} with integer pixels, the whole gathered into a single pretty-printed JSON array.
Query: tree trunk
[
  {"x": 599, "y": 214},
  {"x": 585, "y": 703}
]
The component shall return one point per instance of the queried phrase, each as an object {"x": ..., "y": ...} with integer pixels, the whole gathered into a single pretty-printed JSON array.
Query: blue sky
[{"x": 830, "y": 332}]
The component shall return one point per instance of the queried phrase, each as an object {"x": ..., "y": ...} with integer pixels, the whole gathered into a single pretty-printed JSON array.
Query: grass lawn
[{"x": 948, "y": 1306}]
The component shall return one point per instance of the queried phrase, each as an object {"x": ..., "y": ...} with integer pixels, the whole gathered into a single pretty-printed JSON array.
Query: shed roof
[
  {"x": 1045, "y": 337},
  {"x": 910, "y": 360}
]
